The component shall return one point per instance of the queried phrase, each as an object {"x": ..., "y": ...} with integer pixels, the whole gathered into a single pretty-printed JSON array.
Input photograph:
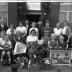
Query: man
[
  {"x": 27, "y": 26},
  {"x": 10, "y": 30},
  {"x": 40, "y": 30},
  {"x": 47, "y": 28},
  {"x": 3, "y": 27}
]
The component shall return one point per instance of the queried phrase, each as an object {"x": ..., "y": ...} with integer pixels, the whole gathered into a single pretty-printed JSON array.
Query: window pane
[
  {"x": 70, "y": 17},
  {"x": 70, "y": 7},
  {"x": 33, "y": 6},
  {"x": 64, "y": 8},
  {"x": 62, "y": 16}
]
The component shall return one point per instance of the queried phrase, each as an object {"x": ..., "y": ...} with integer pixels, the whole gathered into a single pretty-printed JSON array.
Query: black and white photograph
[{"x": 36, "y": 36}]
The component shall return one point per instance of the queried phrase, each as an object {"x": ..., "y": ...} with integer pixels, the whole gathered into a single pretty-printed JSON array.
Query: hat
[
  {"x": 33, "y": 30},
  {"x": 40, "y": 22}
]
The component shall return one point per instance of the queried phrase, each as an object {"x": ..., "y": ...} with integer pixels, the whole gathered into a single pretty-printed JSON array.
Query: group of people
[{"x": 38, "y": 39}]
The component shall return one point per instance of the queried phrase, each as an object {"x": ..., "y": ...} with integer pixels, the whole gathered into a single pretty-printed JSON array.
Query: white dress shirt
[
  {"x": 58, "y": 32},
  {"x": 8, "y": 32}
]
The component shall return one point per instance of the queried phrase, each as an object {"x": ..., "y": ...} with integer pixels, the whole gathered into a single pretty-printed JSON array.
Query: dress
[{"x": 32, "y": 43}]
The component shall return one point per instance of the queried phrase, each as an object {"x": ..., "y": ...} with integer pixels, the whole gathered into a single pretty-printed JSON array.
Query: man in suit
[{"x": 3, "y": 27}]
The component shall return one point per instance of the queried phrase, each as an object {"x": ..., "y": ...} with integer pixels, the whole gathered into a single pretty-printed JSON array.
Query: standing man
[
  {"x": 40, "y": 29},
  {"x": 47, "y": 28},
  {"x": 3, "y": 26},
  {"x": 27, "y": 26}
]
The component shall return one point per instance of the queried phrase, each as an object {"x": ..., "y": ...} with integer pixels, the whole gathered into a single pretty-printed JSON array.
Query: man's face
[
  {"x": 47, "y": 24},
  {"x": 20, "y": 24},
  {"x": 33, "y": 24},
  {"x": 26, "y": 22},
  {"x": 45, "y": 34},
  {"x": 2, "y": 34},
  {"x": 11, "y": 26}
]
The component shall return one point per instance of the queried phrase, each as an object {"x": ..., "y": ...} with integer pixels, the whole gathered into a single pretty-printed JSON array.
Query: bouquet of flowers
[{"x": 20, "y": 61}]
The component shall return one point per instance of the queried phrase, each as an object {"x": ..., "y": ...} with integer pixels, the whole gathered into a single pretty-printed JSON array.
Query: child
[
  {"x": 32, "y": 43},
  {"x": 35, "y": 28},
  {"x": 44, "y": 47},
  {"x": 46, "y": 38},
  {"x": 6, "y": 47},
  {"x": 61, "y": 43},
  {"x": 53, "y": 43}
]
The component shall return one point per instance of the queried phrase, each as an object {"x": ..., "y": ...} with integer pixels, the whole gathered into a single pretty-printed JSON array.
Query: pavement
[{"x": 38, "y": 68}]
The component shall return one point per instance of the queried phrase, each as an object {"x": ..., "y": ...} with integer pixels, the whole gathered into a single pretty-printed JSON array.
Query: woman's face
[
  {"x": 3, "y": 35},
  {"x": 65, "y": 23},
  {"x": 33, "y": 24},
  {"x": 58, "y": 25}
]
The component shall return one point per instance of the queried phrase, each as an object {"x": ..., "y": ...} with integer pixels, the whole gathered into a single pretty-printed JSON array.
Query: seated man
[
  {"x": 53, "y": 43},
  {"x": 61, "y": 43}
]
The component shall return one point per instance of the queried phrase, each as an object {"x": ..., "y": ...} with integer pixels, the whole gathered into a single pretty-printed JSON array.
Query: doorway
[{"x": 33, "y": 18}]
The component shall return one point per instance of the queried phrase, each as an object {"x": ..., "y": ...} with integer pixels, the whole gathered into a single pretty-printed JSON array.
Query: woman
[
  {"x": 22, "y": 29},
  {"x": 34, "y": 27},
  {"x": 19, "y": 39},
  {"x": 66, "y": 31},
  {"x": 58, "y": 30},
  {"x": 9, "y": 31},
  {"x": 5, "y": 43}
]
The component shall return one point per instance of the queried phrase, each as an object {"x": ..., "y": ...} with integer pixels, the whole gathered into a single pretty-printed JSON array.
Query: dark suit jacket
[{"x": 4, "y": 28}]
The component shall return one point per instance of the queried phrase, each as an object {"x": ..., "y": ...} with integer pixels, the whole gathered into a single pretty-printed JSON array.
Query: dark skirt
[{"x": 65, "y": 38}]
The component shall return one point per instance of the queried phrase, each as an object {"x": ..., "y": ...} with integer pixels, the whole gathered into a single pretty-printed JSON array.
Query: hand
[{"x": 67, "y": 41}]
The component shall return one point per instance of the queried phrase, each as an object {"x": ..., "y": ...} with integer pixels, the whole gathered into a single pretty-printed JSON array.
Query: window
[{"x": 35, "y": 5}]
